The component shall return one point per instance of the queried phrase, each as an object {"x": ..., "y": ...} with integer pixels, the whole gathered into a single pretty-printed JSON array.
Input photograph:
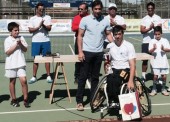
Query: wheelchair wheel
[
  {"x": 124, "y": 89},
  {"x": 143, "y": 97},
  {"x": 99, "y": 95}
]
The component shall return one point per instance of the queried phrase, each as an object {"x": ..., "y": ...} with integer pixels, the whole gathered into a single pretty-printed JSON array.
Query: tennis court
[{"x": 61, "y": 109}]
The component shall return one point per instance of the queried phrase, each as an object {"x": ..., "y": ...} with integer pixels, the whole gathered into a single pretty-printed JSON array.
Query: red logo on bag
[{"x": 129, "y": 108}]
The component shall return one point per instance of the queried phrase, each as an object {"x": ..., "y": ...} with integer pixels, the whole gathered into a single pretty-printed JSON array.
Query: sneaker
[
  {"x": 80, "y": 107},
  {"x": 113, "y": 104},
  {"x": 165, "y": 93},
  {"x": 153, "y": 93},
  {"x": 49, "y": 80},
  {"x": 32, "y": 80},
  {"x": 168, "y": 89},
  {"x": 26, "y": 104},
  {"x": 15, "y": 103}
]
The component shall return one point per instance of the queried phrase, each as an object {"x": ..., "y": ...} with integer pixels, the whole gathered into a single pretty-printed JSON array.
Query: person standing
[
  {"x": 114, "y": 20},
  {"x": 82, "y": 12},
  {"x": 158, "y": 47},
  {"x": 148, "y": 23},
  {"x": 39, "y": 26},
  {"x": 92, "y": 30},
  {"x": 15, "y": 65}
]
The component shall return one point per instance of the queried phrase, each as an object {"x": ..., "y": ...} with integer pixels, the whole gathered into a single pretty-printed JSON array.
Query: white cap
[{"x": 112, "y": 5}]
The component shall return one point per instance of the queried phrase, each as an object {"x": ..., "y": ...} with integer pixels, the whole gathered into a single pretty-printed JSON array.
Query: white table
[
  {"x": 59, "y": 63},
  {"x": 72, "y": 58},
  {"x": 143, "y": 56}
]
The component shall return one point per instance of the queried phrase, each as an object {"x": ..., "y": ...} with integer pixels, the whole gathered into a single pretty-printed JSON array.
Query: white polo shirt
[
  {"x": 146, "y": 21},
  {"x": 17, "y": 58},
  {"x": 118, "y": 19},
  {"x": 40, "y": 35}
]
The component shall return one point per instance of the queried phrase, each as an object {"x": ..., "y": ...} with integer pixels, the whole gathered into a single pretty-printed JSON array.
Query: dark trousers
[
  {"x": 114, "y": 83},
  {"x": 92, "y": 63},
  {"x": 77, "y": 64}
]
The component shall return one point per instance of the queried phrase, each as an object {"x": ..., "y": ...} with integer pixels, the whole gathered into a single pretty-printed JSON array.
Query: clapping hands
[
  {"x": 162, "y": 48},
  {"x": 41, "y": 24},
  {"x": 112, "y": 22},
  {"x": 151, "y": 26}
]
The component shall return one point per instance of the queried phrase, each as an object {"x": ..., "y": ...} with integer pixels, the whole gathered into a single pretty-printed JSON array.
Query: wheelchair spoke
[
  {"x": 99, "y": 95},
  {"x": 143, "y": 97}
]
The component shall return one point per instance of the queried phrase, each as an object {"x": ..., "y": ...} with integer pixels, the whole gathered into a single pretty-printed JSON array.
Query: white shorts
[
  {"x": 160, "y": 71},
  {"x": 14, "y": 73}
]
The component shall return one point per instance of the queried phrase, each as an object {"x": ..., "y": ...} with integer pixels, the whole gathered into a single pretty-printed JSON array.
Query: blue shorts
[{"x": 40, "y": 48}]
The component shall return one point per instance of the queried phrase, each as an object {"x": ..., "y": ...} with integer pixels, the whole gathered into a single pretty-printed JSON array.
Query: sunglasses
[
  {"x": 112, "y": 8},
  {"x": 80, "y": 9}
]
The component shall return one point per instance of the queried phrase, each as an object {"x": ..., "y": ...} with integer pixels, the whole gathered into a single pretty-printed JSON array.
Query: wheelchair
[{"x": 100, "y": 97}]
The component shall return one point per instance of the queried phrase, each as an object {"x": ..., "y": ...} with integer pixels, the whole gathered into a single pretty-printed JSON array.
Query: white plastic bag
[{"x": 130, "y": 106}]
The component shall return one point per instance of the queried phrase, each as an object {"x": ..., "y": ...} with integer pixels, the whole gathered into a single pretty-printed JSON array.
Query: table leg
[
  {"x": 54, "y": 83},
  {"x": 65, "y": 78}
]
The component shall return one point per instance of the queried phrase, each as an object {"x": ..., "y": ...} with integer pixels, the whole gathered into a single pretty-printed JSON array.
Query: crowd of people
[{"x": 93, "y": 33}]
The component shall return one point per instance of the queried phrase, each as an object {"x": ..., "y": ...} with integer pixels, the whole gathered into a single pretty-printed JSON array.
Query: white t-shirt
[
  {"x": 118, "y": 19},
  {"x": 121, "y": 55},
  {"x": 40, "y": 35},
  {"x": 160, "y": 59},
  {"x": 17, "y": 58},
  {"x": 146, "y": 21}
]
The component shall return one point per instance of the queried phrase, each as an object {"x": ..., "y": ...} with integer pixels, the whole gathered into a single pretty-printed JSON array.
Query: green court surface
[{"x": 61, "y": 109}]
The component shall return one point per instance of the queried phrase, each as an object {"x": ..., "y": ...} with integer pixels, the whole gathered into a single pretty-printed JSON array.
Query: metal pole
[
  {"x": 121, "y": 8},
  {"x": 168, "y": 9},
  {"x": 161, "y": 9},
  {"x": 18, "y": 7}
]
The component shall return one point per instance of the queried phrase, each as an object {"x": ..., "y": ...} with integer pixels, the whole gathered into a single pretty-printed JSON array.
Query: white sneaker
[
  {"x": 168, "y": 89},
  {"x": 32, "y": 80},
  {"x": 49, "y": 80},
  {"x": 165, "y": 93},
  {"x": 153, "y": 93}
]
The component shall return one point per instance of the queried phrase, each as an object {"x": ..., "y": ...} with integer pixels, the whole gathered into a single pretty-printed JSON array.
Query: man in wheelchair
[{"x": 122, "y": 60}]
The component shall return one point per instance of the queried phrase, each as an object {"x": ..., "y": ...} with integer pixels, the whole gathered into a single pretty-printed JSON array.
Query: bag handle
[{"x": 124, "y": 86}]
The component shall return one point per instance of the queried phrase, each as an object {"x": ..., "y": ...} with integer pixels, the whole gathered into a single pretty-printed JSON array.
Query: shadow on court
[
  {"x": 32, "y": 95},
  {"x": 44, "y": 76},
  {"x": 61, "y": 94},
  {"x": 4, "y": 97}
]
